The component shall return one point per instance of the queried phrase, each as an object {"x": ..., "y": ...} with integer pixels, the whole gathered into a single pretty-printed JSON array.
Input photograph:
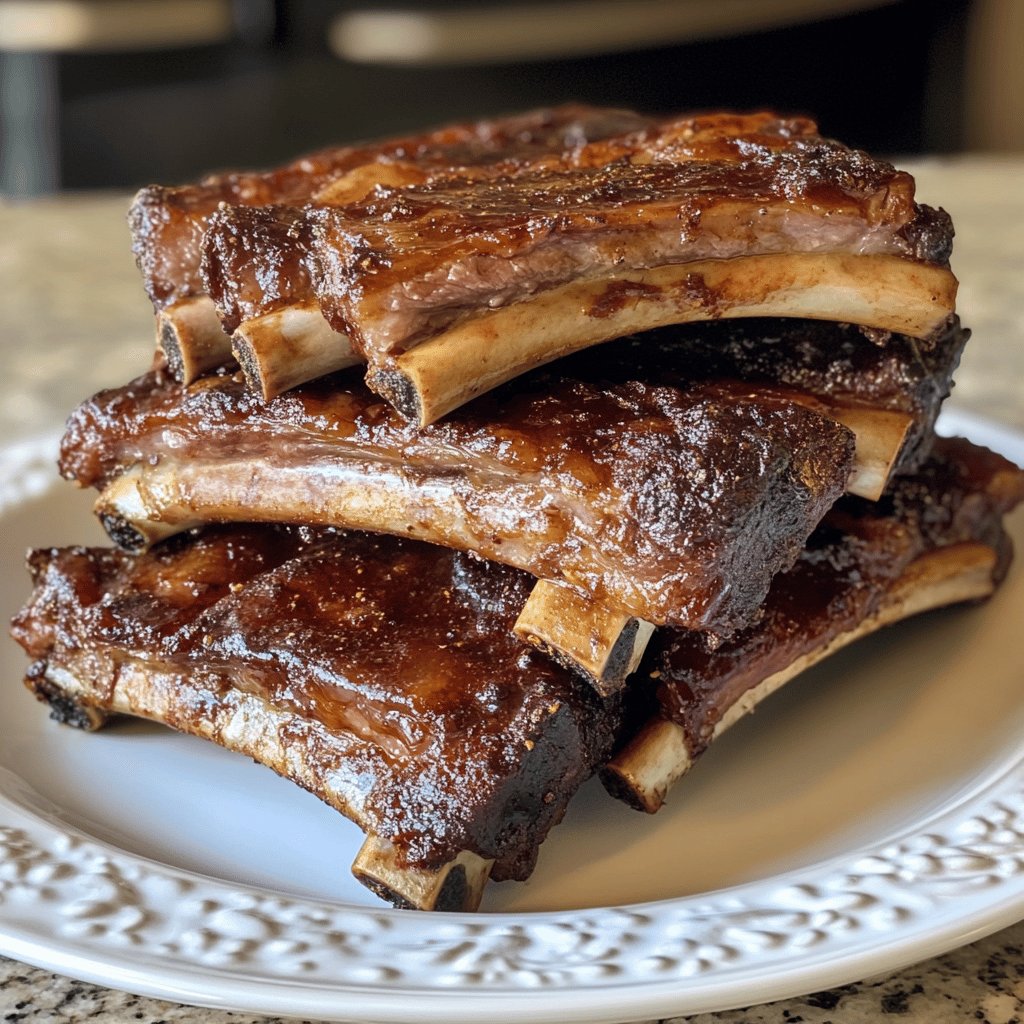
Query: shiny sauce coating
[
  {"x": 623, "y": 471},
  {"x": 403, "y": 649},
  {"x": 843, "y": 575},
  {"x": 168, "y": 223}
]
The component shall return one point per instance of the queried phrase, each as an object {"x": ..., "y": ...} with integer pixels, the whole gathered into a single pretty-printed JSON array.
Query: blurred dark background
[{"x": 118, "y": 93}]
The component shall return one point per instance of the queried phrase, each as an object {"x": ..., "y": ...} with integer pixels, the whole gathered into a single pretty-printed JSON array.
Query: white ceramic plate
[{"x": 868, "y": 816}]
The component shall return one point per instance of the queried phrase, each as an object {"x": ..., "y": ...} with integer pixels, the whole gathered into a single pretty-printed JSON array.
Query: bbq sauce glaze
[
  {"x": 628, "y": 471},
  {"x": 168, "y": 224},
  {"x": 462, "y": 737},
  {"x": 403, "y": 264},
  {"x": 453, "y": 734},
  {"x": 844, "y": 573}
]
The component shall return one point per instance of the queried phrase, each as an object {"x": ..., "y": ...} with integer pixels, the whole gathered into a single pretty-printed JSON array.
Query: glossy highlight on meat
[
  {"x": 402, "y": 264},
  {"x": 256, "y": 256},
  {"x": 626, "y": 472},
  {"x": 843, "y": 575},
  {"x": 168, "y": 224},
  {"x": 379, "y": 673}
]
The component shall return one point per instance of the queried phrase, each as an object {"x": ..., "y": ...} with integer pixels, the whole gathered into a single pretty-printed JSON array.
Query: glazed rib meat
[
  {"x": 458, "y": 271},
  {"x": 380, "y": 674},
  {"x": 168, "y": 224},
  {"x": 828, "y": 361},
  {"x": 651, "y": 488},
  {"x": 256, "y": 255},
  {"x": 935, "y": 538},
  {"x": 744, "y": 212},
  {"x": 958, "y": 497},
  {"x": 405, "y": 262}
]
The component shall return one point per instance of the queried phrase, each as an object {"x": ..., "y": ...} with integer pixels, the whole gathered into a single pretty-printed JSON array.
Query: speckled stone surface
[
  {"x": 983, "y": 983},
  {"x": 71, "y": 298}
]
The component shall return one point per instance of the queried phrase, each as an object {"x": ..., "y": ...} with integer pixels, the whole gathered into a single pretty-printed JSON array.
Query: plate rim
[{"x": 601, "y": 964}]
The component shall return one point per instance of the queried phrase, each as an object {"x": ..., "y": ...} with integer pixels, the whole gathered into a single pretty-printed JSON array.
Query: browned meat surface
[
  {"x": 842, "y": 577},
  {"x": 256, "y": 258},
  {"x": 401, "y": 696},
  {"x": 404, "y": 263},
  {"x": 829, "y": 361},
  {"x": 255, "y": 261},
  {"x": 623, "y": 471},
  {"x": 168, "y": 224},
  {"x": 381, "y": 673}
]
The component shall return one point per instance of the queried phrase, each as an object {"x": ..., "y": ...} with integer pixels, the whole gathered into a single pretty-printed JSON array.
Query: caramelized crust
[
  {"x": 168, "y": 224},
  {"x": 673, "y": 497},
  {"x": 406, "y": 702},
  {"x": 846, "y": 571},
  {"x": 405, "y": 263},
  {"x": 387, "y": 677},
  {"x": 256, "y": 257},
  {"x": 832, "y": 362}
]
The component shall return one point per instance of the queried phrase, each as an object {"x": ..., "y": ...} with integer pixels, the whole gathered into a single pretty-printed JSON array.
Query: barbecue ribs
[
  {"x": 380, "y": 674},
  {"x": 934, "y": 539}
]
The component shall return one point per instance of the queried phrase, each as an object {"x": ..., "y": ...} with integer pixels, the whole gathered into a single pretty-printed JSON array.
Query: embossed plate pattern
[{"x": 871, "y": 817}]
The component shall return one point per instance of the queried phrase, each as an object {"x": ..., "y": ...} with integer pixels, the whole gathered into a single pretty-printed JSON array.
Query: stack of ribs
[{"x": 475, "y": 463}]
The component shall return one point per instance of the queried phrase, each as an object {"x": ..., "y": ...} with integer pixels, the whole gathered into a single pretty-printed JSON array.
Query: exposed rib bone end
[
  {"x": 880, "y": 435},
  {"x": 403, "y": 391},
  {"x": 601, "y": 644},
  {"x": 66, "y": 707},
  {"x": 885, "y": 292},
  {"x": 281, "y": 350},
  {"x": 191, "y": 338},
  {"x": 458, "y": 885},
  {"x": 643, "y": 772},
  {"x": 126, "y": 512}
]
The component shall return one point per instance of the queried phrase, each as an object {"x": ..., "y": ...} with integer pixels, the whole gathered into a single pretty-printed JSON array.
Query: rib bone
[
  {"x": 598, "y": 642},
  {"x": 647, "y": 768},
  {"x": 279, "y": 351},
  {"x": 883, "y": 292},
  {"x": 191, "y": 337},
  {"x": 457, "y": 885},
  {"x": 880, "y": 438},
  {"x": 126, "y": 512}
]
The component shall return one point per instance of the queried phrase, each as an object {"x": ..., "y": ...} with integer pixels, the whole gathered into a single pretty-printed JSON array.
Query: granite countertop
[
  {"x": 982, "y": 983},
  {"x": 72, "y": 298}
]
